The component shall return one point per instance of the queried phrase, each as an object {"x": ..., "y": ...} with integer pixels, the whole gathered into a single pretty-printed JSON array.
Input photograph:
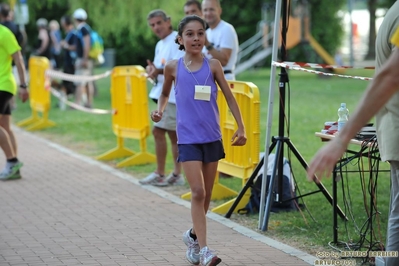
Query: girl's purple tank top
[{"x": 197, "y": 120}]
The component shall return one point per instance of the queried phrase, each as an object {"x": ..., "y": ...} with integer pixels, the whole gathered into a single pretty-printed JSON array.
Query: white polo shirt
[
  {"x": 165, "y": 50},
  {"x": 224, "y": 36}
]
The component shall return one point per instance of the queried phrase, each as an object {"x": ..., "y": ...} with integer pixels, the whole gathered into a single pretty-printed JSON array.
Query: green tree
[
  {"x": 372, "y": 7},
  {"x": 244, "y": 15},
  {"x": 123, "y": 24},
  {"x": 326, "y": 25}
]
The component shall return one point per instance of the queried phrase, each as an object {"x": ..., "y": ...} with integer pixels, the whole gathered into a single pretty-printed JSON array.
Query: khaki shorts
[
  {"x": 80, "y": 71},
  {"x": 168, "y": 121}
]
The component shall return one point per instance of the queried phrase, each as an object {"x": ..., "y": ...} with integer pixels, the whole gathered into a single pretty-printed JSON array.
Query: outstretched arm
[
  {"x": 379, "y": 91},
  {"x": 239, "y": 137}
]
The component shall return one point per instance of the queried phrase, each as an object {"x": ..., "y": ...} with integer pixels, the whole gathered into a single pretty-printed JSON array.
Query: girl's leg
[
  {"x": 175, "y": 152},
  {"x": 161, "y": 149},
  {"x": 208, "y": 178},
  {"x": 193, "y": 170},
  {"x": 209, "y": 172}
]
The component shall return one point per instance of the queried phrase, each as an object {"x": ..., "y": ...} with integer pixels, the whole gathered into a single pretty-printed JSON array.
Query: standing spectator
[
  {"x": 381, "y": 98},
  {"x": 198, "y": 129},
  {"x": 165, "y": 50},
  {"x": 43, "y": 46},
  {"x": 222, "y": 40},
  {"x": 9, "y": 51},
  {"x": 6, "y": 20},
  {"x": 69, "y": 46},
  {"x": 193, "y": 7},
  {"x": 83, "y": 64},
  {"x": 55, "y": 36}
]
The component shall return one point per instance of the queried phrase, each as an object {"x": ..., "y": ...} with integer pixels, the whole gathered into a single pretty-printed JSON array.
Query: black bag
[{"x": 287, "y": 202}]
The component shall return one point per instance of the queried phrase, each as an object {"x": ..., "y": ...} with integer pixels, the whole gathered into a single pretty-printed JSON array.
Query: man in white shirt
[
  {"x": 222, "y": 40},
  {"x": 192, "y": 7},
  {"x": 165, "y": 50}
]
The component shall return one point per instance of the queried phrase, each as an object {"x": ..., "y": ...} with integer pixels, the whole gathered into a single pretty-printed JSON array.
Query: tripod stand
[{"x": 279, "y": 141}]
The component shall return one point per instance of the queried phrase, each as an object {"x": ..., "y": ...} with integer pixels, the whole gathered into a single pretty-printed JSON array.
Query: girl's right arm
[{"x": 169, "y": 75}]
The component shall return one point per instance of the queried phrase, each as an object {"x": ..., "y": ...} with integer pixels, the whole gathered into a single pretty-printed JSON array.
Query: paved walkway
[{"x": 69, "y": 209}]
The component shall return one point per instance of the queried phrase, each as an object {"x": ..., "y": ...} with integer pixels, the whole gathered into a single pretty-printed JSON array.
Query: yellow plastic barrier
[
  {"x": 131, "y": 115},
  {"x": 240, "y": 161},
  {"x": 40, "y": 97}
]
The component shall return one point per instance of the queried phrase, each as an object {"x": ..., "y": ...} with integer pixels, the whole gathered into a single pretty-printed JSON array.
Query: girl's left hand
[{"x": 239, "y": 138}]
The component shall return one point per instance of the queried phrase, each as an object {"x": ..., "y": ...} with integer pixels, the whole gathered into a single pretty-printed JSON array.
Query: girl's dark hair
[{"x": 183, "y": 23}]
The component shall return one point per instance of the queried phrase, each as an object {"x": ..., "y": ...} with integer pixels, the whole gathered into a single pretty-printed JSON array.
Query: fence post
[
  {"x": 39, "y": 95},
  {"x": 131, "y": 115}
]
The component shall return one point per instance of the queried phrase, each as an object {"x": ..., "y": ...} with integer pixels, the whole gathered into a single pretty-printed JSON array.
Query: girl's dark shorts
[
  {"x": 5, "y": 106},
  {"x": 205, "y": 152}
]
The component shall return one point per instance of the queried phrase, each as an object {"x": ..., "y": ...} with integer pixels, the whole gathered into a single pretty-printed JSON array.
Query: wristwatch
[
  {"x": 209, "y": 47},
  {"x": 24, "y": 86}
]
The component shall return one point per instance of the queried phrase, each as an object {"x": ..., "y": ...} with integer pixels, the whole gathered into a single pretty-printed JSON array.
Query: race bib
[{"x": 202, "y": 93}]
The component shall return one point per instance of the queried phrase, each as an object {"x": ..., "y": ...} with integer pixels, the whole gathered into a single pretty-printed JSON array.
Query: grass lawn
[{"x": 312, "y": 100}]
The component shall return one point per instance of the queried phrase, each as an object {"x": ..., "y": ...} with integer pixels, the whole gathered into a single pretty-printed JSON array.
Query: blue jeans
[{"x": 393, "y": 218}]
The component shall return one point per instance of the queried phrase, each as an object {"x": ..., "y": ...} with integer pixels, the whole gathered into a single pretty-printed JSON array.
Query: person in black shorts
[
  {"x": 69, "y": 46},
  {"x": 10, "y": 51}
]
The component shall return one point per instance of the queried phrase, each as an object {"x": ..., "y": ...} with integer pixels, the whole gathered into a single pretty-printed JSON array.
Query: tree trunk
[{"x": 372, "y": 6}]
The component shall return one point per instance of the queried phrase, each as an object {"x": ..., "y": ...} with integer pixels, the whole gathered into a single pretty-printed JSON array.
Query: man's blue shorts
[{"x": 205, "y": 152}]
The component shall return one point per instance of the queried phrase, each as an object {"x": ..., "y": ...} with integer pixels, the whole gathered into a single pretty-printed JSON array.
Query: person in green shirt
[{"x": 10, "y": 51}]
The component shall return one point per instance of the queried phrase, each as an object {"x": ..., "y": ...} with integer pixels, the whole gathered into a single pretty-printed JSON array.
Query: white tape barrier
[
  {"x": 76, "y": 106},
  {"x": 318, "y": 72},
  {"x": 75, "y": 78},
  {"x": 317, "y": 65}
]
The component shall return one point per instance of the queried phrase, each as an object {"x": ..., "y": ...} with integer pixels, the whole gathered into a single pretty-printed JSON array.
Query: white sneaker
[
  {"x": 160, "y": 182},
  {"x": 10, "y": 171},
  {"x": 175, "y": 180},
  {"x": 193, "y": 248},
  {"x": 151, "y": 178},
  {"x": 207, "y": 258}
]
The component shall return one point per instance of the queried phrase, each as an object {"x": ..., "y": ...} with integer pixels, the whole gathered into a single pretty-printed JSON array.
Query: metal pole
[
  {"x": 272, "y": 88},
  {"x": 279, "y": 158},
  {"x": 351, "y": 58}
]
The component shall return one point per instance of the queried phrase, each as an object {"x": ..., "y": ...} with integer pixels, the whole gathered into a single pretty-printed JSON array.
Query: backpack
[
  {"x": 96, "y": 43},
  {"x": 253, "y": 205}
]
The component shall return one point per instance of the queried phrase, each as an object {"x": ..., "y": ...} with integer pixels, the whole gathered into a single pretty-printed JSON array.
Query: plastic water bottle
[{"x": 343, "y": 114}]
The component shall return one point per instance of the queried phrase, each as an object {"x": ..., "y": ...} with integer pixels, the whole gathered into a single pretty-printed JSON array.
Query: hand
[
  {"x": 84, "y": 63},
  {"x": 239, "y": 138},
  {"x": 151, "y": 70},
  {"x": 156, "y": 116},
  {"x": 325, "y": 159},
  {"x": 64, "y": 44},
  {"x": 23, "y": 94}
]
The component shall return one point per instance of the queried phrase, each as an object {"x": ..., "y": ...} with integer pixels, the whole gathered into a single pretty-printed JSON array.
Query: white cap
[
  {"x": 41, "y": 22},
  {"x": 80, "y": 14}
]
